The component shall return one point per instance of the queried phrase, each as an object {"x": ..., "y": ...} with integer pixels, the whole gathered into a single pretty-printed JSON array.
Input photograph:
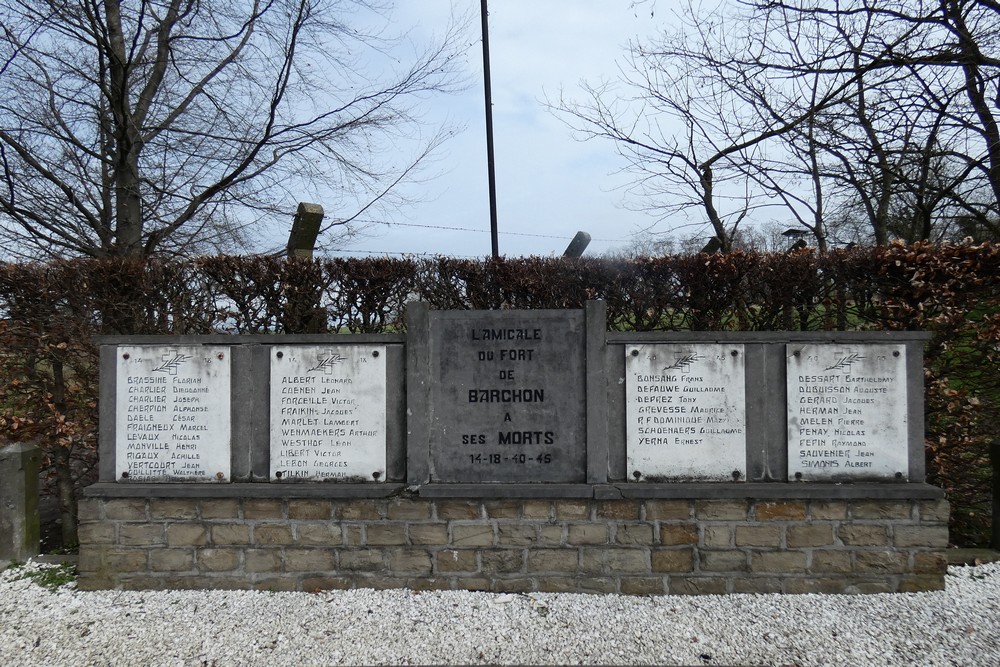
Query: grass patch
[{"x": 51, "y": 577}]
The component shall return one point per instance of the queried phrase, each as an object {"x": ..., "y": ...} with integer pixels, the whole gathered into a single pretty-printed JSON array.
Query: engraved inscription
[
  {"x": 685, "y": 412},
  {"x": 847, "y": 412},
  {"x": 328, "y": 413},
  {"x": 172, "y": 414},
  {"x": 508, "y": 397}
]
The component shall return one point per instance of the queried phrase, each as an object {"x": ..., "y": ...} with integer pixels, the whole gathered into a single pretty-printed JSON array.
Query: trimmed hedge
[{"x": 53, "y": 310}]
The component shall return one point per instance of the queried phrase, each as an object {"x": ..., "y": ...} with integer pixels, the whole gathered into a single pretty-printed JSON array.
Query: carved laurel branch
[
  {"x": 171, "y": 364},
  {"x": 329, "y": 362},
  {"x": 683, "y": 361},
  {"x": 844, "y": 362}
]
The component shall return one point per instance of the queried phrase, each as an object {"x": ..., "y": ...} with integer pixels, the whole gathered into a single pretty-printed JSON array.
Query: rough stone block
[
  {"x": 634, "y": 533},
  {"x": 125, "y": 509},
  {"x": 716, "y": 536},
  {"x": 186, "y": 534},
  {"x": 90, "y": 509},
  {"x": 124, "y": 560},
  {"x": 643, "y": 585},
  {"x": 668, "y": 510},
  {"x": 873, "y": 509},
  {"x": 357, "y": 510},
  {"x": 430, "y": 533},
  {"x": 263, "y": 508},
  {"x": 587, "y": 533},
  {"x": 385, "y": 534},
  {"x": 325, "y": 583},
  {"x": 599, "y": 585},
  {"x": 809, "y": 535},
  {"x": 220, "y": 560},
  {"x": 722, "y": 561},
  {"x": 553, "y": 560},
  {"x": 758, "y": 536},
  {"x": 220, "y": 508},
  {"x": 352, "y": 535},
  {"x": 781, "y": 510},
  {"x": 309, "y": 560},
  {"x": 171, "y": 560},
  {"x": 934, "y": 511},
  {"x": 826, "y": 586},
  {"x": 676, "y": 534},
  {"x": 458, "y": 510},
  {"x": 96, "y": 533},
  {"x": 551, "y": 535},
  {"x": 309, "y": 509},
  {"x": 827, "y": 511},
  {"x": 778, "y": 561},
  {"x": 410, "y": 562},
  {"x": 930, "y": 562},
  {"x": 863, "y": 535},
  {"x": 262, "y": 560},
  {"x": 270, "y": 534},
  {"x": 572, "y": 510},
  {"x": 362, "y": 560},
  {"x": 557, "y": 584},
  {"x": 429, "y": 584},
  {"x": 456, "y": 560},
  {"x": 935, "y": 537},
  {"x": 403, "y": 509},
  {"x": 537, "y": 509},
  {"x": 721, "y": 510},
  {"x": 697, "y": 586},
  {"x": 921, "y": 583},
  {"x": 140, "y": 534},
  {"x": 472, "y": 535},
  {"x": 627, "y": 561},
  {"x": 517, "y": 535},
  {"x": 830, "y": 561},
  {"x": 892, "y": 562},
  {"x": 502, "y": 509},
  {"x": 517, "y": 585},
  {"x": 173, "y": 508},
  {"x": 870, "y": 587},
  {"x": 480, "y": 584},
  {"x": 672, "y": 560},
  {"x": 230, "y": 533},
  {"x": 319, "y": 535},
  {"x": 622, "y": 510},
  {"x": 502, "y": 561}
]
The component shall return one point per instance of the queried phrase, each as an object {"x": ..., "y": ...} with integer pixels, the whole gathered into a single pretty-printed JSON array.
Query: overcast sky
[{"x": 548, "y": 183}]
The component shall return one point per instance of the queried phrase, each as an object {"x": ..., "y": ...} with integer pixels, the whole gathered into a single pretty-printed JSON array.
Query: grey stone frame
[
  {"x": 249, "y": 410},
  {"x": 418, "y": 320},
  {"x": 767, "y": 435}
]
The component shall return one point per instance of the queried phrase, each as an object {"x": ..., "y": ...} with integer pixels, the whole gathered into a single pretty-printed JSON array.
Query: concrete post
[{"x": 19, "y": 522}]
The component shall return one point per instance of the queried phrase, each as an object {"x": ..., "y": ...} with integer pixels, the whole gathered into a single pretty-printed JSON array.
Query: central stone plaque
[
  {"x": 847, "y": 412},
  {"x": 172, "y": 414},
  {"x": 508, "y": 396},
  {"x": 328, "y": 413},
  {"x": 685, "y": 412}
]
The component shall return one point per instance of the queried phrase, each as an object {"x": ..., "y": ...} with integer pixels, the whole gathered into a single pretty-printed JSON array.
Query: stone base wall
[{"x": 631, "y": 546}]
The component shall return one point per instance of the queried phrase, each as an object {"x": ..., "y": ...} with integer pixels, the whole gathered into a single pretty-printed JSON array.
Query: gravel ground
[{"x": 959, "y": 626}]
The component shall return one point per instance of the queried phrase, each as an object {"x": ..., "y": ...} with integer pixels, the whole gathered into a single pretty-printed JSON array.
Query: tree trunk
[{"x": 61, "y": 461}]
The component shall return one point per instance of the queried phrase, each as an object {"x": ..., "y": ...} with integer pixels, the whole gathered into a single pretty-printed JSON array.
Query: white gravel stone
[{"x": 958, "y": 626}]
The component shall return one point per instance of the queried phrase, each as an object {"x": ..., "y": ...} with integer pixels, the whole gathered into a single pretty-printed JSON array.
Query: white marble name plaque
[
  {"x": 685, "y": 412},
  {"x": 172, "y": 418},
  {"x": 328, "y": 413},
  {"x": 847, "y": 412}
]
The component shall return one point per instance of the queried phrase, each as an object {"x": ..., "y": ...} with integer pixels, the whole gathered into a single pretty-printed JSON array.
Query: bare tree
[
  {"x": 816, "y": 109},
  {"x": 137, "y": 127}
]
